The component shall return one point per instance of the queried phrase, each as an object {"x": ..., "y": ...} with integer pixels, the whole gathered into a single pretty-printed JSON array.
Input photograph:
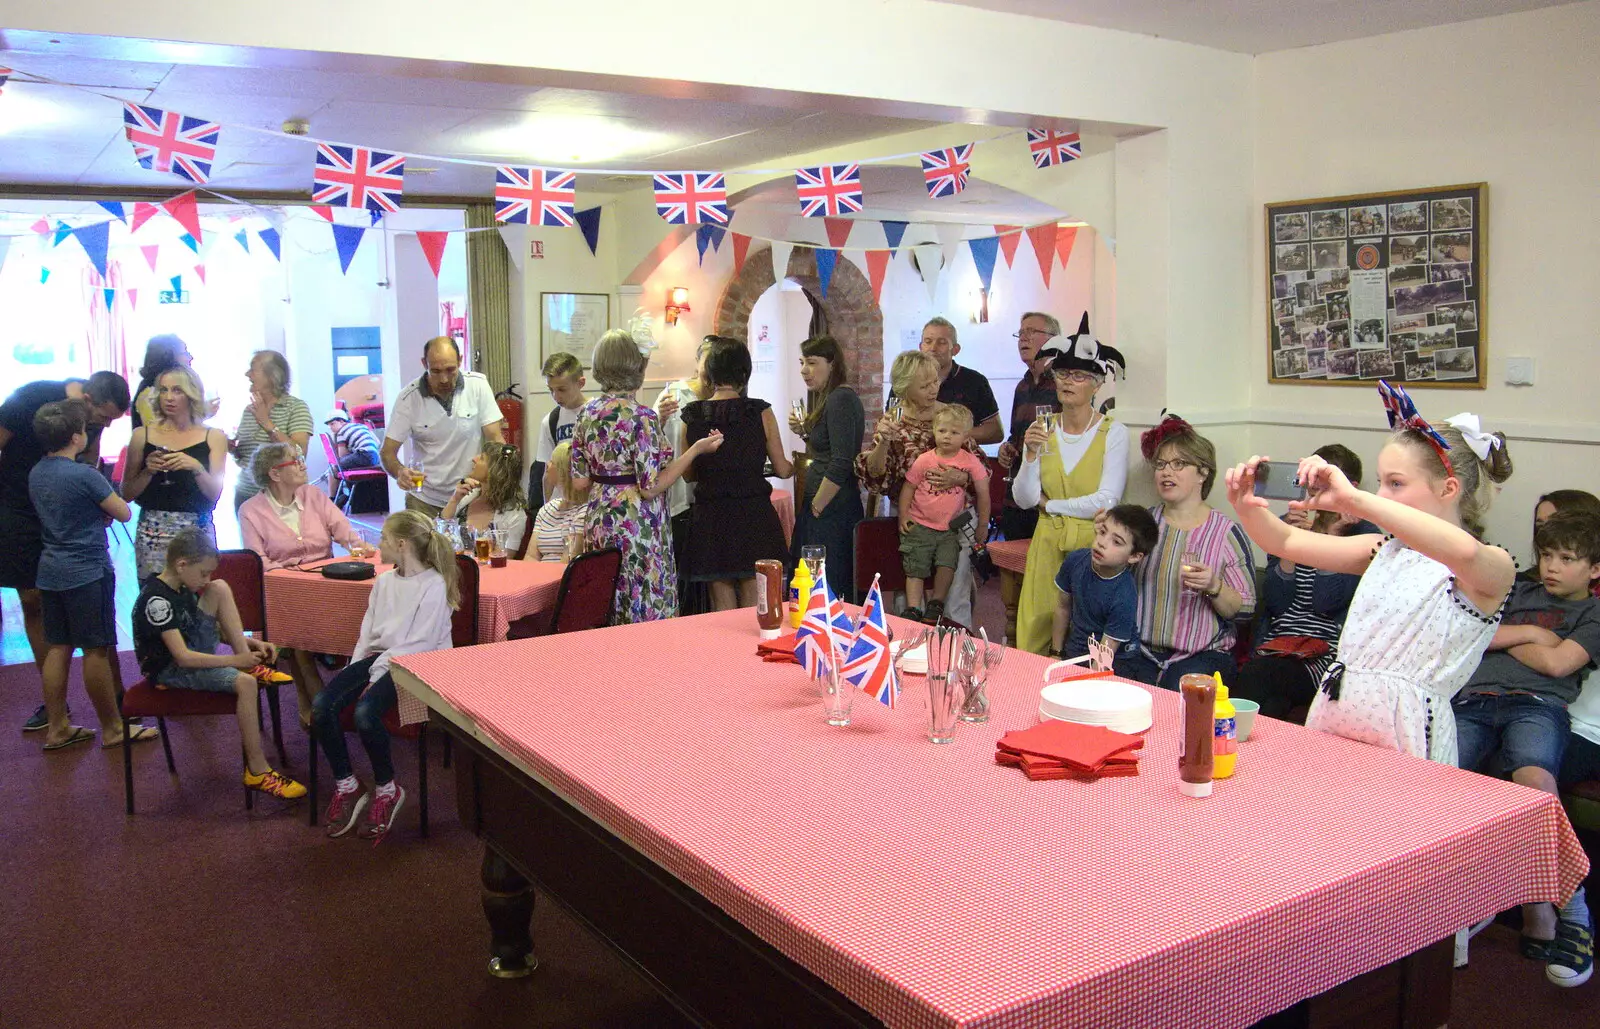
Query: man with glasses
[{"x": 1036, "y": 389}]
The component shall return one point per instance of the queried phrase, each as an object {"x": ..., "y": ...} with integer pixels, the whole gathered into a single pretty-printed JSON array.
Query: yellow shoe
[
  {"x": 274, "y": 784},
  {"x": 268, "y": 676}
]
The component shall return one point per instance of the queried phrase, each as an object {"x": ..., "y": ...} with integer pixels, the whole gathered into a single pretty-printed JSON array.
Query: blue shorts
[
  {"x": 84, "y": 616},
  {"x": 203, "y": 639},
  {"x": 1528, "y": 731}
]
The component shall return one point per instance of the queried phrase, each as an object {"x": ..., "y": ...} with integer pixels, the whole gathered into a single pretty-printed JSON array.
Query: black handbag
[{"x": 354, "y": 570}]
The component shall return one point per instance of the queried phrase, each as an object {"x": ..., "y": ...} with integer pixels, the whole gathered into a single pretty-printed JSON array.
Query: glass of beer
[
  {"x": 497, "y": 548},
  {"x": 482, "y": 542}
]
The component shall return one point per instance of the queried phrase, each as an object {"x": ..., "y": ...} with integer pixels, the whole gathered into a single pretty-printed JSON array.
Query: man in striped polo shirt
[{"x": 356, "y": 444}]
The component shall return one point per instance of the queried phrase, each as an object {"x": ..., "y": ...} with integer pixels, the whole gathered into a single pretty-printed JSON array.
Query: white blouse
[
  {"x": 1026, "y": 491},
  {"x": 406, "y": 614}
]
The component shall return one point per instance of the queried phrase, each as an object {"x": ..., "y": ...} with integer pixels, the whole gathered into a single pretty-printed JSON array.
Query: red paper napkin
[
  {"x": 778, "y": 650},
  {"x": 1083, "y": 746}
]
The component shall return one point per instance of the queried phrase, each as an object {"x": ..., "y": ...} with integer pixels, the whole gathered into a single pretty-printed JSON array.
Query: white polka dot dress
[{"x": 1410, "y": 642}]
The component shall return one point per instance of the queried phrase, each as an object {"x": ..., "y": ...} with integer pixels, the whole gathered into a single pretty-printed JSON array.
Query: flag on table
[
  {"x": 166, "y": 141},
  {"x": 869, "y": 665},
  {"x": 824, "y": 632},
  {"x": 355, "y": 176},
  {"x": 536, "y": 196},
  {"x": 1051, "y": 148},
  {"x": 945, "y": 171},
  {"x": 692, "y": 198},
  {"x": 829, "y": 190}
]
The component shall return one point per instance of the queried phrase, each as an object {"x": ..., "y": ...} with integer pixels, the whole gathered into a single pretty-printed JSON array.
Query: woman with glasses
[
  {"x": 491, "y": 495},
  {"x": 289, "y": 523},
  {"x": 1199, "y": 579},
  {"x": 176, "y": 467},
  {"x": 1070, "y": 470}
]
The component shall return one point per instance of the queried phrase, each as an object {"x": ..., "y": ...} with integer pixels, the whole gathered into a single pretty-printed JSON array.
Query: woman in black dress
[{"x": 732, "y": 523}]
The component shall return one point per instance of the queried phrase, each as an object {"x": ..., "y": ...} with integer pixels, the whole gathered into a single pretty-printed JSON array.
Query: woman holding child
[{"x": 1068, "y": 473}]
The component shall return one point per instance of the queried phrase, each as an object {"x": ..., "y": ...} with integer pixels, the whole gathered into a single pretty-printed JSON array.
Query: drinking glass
[
  {"x": 838, "y": 694},
  {"x": 483, "y": 539},
  {"x": 415, "y": 483},
  {"x": 977, "y": 663},
  {"x": 497, "y": 548},
  {"x": 575, "y": 546},
  {"x": 893, "y": 410},
  {"x": 1191, "y": 559},
  {"x": 946, "y": 686},
  {"x": 798, "y": 408},
  {"x": 814, "y": 557}
]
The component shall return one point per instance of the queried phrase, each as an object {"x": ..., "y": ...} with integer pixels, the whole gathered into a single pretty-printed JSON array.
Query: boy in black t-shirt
[{"x": 180, "y": 617}]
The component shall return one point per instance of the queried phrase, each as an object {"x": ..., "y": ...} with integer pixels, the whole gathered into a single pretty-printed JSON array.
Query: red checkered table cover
[
  {"x": 935, "y": 888},
  {"x": 1012, "y": 555}
]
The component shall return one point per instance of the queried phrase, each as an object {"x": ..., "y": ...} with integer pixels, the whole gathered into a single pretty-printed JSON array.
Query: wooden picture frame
[
  {"x": 572, "y": 323},
  {"x": 1379, "y": 286}
]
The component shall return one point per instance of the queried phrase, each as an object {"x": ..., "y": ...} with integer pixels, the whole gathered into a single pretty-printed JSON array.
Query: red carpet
[{"x": 196, "y": 913}]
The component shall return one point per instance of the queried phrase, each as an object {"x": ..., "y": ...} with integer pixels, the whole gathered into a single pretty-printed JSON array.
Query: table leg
[
  {"x": 1011, "y": 597},
  {"x": 508, "y": 905}
]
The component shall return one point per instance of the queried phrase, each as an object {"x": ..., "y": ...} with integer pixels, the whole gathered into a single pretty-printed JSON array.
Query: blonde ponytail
[{"x": 431, "y": 548}]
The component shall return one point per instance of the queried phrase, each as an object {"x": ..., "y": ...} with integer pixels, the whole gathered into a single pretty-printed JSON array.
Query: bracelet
[{"x": 1214, "y": 594}]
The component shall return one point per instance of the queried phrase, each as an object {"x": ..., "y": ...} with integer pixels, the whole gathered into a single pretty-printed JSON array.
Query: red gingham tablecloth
[
  {"x": 783, "y": 502},
  {"x": 937, "y": 889},
  {"x": 1012, "y": 555}
]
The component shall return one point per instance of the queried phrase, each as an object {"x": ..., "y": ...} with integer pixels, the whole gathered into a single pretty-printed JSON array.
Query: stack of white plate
[
  {"x": 1118, "y": 706},
  {"x": 915, "y": 661}
]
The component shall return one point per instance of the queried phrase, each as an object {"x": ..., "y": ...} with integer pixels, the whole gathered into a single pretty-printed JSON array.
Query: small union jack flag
[
  {"x": 354, "y": 176},
  {"x": 945, "y": 171},
  {"x": 869, "y": 665},
  {"x": 534, "y": 196},
  {"x": 829, "y": 190},
  {"x": 1051, "y": 148},
  {"x": 692, "y": 198},
  {"x": 824, "y": 632},
  {"x": 166, "y": 141}
]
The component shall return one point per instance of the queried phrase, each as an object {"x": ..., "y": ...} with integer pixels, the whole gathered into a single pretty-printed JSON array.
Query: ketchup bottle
[{"x": 1198, "y": 712}]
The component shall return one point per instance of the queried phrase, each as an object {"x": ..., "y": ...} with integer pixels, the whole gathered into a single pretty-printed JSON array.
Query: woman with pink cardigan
[{"x": 289, "y": 523}]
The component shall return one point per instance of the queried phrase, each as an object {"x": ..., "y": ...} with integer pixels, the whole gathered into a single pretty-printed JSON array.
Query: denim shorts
[
  {"x": 84, "y": 616},
  {"x": 201, "y": 638},
  {"x": 1528, "y": 731}
]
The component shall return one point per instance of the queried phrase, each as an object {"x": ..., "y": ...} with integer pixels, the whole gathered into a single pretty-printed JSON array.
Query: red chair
[
  {"x": 346, "y": 478},
  {"x": 463, "y": 633},
  {"x": 585, "y": 601},
  {"x": 998, "y": 488},
  {"x": 241, "y": 570},
  {"x": 878, "y": 553}
]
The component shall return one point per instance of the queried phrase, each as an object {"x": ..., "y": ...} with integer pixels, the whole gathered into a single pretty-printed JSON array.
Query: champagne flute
[{"x": 1191, "y": 560}]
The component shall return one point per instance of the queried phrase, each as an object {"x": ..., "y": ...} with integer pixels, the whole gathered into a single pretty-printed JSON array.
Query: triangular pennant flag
[
  {"x": 42, "y": 226},
  {"x": 930, "y": 262},
  {"x": 347, "y": 238},
  {"x": 1064, "y": 240},
  {"x": 44, "y": 276},
  {"x": 111, "y": 297},
  {"x": 717, "y": 237},
  {"x": 377, "y": 216},
  {"x": 184, "y": 210},
  {"x": 63, "y": 230},
  {"x": 200, "y": 270},
  {"x": 741, "y": 247},
  {"x": 115, "y": 208},
  {"x": 827, "y": 260},
  {"x": 190, "y": 242},
  {"x": 150, "y": 254},
  {"x": 142, "y": 212},
  {"x": 894, "y": 232},
  {"x": 177, "y": 283},
  {"x": 1009, "y": 236},
  {"x": 94, "y": 239},
  {"x": 324, "y": 210},
  {"x": 589, "y": 224},
  {"x": 702, "y": 239},
  {"x": 877, "y": 267},
  {"x": 949, "y": 240},
  {"x": 780, "y": 259},
  {"x": 1043, "y": 238},
  {"x": 433, "y": 248},
  {"x": 271, "y": 238},
  {"x": 243, "y": 236},
  {"x": 838, "y": 231},
  {"x": 133, "y": 298},
  {"x": 984, "y": 251},
  {"x": 515, "y": 238}
]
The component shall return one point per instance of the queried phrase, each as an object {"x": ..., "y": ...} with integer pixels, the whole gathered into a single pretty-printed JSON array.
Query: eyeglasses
[
  {"x": 1177, "y": 464},
  {"x": 1075, "y": 375},
  {"x": 292, "y": 461},
  {"x": 1020, "y": 333}
]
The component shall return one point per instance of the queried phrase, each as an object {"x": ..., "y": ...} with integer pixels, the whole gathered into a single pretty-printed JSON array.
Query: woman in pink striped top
[{"x": 1200, "y": 578}]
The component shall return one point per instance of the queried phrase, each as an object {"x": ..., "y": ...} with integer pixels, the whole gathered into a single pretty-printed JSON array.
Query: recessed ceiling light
[{"x": 566, "y": 137}]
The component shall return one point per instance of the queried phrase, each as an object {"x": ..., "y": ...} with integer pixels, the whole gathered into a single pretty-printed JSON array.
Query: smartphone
[{"x": 1279, "y": 480}]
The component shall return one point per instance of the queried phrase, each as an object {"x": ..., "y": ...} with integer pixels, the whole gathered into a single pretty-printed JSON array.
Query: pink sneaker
[
  {"x": 344, "y": 809},
  {"x": 381, "y": 816}
]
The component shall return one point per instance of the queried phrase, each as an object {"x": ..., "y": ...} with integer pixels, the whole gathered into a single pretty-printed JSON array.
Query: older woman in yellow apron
[{"x": 1071, "y": 468}]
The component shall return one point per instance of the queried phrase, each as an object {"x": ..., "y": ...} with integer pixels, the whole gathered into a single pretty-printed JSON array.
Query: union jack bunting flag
[
  {"x": 1051, "y": 148},
  {"x": 945, "y": 171},
  {"x": 692, "y": 198},
  {"x": 166, "y": 141},
  {"x": 811, "y": 641},
  {"x": 354, "y": 176},
  {"x": 869, "y": 665},
  {"x": 829, "y": 190},
  {"x": 5, "y": 73},
  {"x": 534, "y": 196}
]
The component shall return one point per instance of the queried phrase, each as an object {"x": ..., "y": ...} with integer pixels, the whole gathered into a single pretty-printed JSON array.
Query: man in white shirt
[{"x": 446, "y": 415}]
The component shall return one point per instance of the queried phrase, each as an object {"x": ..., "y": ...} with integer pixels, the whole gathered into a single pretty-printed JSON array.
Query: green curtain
[{"x": 489, "y": 297}]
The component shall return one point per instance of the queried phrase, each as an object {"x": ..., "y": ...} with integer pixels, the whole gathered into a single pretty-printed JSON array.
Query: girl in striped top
[{"x": 1199, "y": 578}]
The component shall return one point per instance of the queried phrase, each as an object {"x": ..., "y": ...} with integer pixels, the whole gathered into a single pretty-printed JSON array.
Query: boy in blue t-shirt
[
  {"x": 1098, "y": 594},
  {"x": 76, "y": 584}
]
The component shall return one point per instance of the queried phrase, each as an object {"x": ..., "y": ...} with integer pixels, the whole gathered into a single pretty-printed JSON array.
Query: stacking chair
[
  {"x": 463, "y": 633},
  {"x": 347, "y": 480},
  {"x": 878, "y": 553},
  {"x": 585, "y": 601}
]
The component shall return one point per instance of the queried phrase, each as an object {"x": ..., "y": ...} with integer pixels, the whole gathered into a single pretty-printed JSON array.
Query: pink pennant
[
  {"x": 185, "y": 211},
  {"x": 838, "y": 231},
  {"x": 1010, "y": 236},
  {"x": 433, "y": 247},
  {"x": 150, "y": 254},
  {"x": 133, "y": 299},
  {"x": 1043, "y": 238},
  {"x": 42, "y": 226},
  {"x": 200, "y": 270},
  {"x": 1064, "y": 240},
  {"x": 877, "y": 268},
  {"x": 741, "y": 247},
  {"x": 142, "y": 212}
]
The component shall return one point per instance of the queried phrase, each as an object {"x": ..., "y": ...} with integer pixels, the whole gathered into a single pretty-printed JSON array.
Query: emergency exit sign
[{"x": 174, "y": 296}]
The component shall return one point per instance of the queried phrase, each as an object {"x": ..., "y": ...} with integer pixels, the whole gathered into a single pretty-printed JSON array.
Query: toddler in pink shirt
[{"x": 928, "y": 543}]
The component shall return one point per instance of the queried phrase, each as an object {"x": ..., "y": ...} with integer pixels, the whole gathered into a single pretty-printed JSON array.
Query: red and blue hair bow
[{"x": 1402, "y": 411}]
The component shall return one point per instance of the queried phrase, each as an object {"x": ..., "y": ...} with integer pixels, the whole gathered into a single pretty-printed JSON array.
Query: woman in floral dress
[{"x": 619, "y": 447}]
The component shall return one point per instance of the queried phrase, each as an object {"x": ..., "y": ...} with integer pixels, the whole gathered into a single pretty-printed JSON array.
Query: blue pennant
[
  {"x": 589, "y": 224},
  {"x": 115, "y": 207},
  {"x": 826, "y": 261},
  {"x": 269, "y": 236},
  {"x": 983, "y": 255},
  {"x": 894, "y": 232}
]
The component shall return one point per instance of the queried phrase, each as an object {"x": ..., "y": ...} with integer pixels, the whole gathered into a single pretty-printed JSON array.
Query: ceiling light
[
  {"x": 25, "y": 109},
  {"x": 556, "y": 138}
]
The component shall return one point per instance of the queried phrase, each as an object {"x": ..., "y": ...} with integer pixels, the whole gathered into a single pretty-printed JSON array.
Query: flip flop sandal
[
  {"x": 136, "y": 734},
  {"x": 78, "y": 735}
]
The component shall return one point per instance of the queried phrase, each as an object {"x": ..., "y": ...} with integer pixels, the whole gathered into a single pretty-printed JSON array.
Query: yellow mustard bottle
[
  {"x": 1225, "y": 746},
  {"x": 799, "y": 591}
]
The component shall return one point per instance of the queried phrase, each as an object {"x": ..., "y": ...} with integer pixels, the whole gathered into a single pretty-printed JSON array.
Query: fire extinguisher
[{"x": 510, "y": 402}]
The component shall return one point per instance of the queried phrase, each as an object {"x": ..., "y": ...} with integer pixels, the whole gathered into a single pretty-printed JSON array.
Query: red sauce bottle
[
  {"x": 1197, "y": 717},
  {"x": 769, "y": 598}
]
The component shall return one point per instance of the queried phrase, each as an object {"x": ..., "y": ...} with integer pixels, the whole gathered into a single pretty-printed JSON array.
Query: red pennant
[
  {"x": 142, "y": 213},
  {"x": 42, "y": 226},
  {"x": 133, "y": 298},
  {"x": 1043, "y": 238},
  {"x": 1010, "y": 236},
  {"x": 838, "y": 231},
  {"x": 200, "y": 270},
  {"x": 1064, "y": 240},
  {"x": 877, "y": 267},
  {"x": 150, "y": 254},
  {"x": 325, "y": 211},
  {"x": 433, "y": 246},
  {"x": 184, "y": 210},
  {"x": 741, "y": 246}
]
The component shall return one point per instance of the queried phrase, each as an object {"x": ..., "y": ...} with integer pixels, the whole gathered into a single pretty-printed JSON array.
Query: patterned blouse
[
  {"x": 1181, "y": 620},
  {"x": 915, "y": 439}
]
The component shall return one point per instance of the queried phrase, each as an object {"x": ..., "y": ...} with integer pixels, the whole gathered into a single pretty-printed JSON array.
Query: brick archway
[{"x": 854, "y": 318}]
